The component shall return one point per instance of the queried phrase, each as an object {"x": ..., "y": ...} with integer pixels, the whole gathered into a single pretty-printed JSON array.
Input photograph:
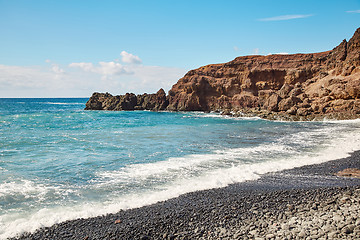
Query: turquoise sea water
[{"x": 59, "y": 162}]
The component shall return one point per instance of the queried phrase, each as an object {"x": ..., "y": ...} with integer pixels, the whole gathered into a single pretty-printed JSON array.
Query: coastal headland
[{"x": 289, "y": 87}]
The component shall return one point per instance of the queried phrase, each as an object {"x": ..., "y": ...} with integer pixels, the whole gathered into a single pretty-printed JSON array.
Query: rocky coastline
[
  {"x": 290, "y": 87},
  {"x": 310, "y": 202}
]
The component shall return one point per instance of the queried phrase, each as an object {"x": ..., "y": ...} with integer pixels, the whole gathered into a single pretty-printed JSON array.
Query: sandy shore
[{"x": 309, "y": 202}]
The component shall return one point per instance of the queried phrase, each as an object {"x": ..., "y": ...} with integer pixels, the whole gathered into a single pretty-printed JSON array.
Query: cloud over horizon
[
  {"x": 106, "y": 69},
  {"x": 285, "y": 17},
  {"x": 81, "y": 79}
]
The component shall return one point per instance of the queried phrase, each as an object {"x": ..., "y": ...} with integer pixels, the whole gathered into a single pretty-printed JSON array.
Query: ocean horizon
[{"x": 59, "y": 162}]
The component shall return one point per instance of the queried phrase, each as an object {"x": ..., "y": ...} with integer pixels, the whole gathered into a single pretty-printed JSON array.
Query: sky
[{"x": 72, "y": 48}]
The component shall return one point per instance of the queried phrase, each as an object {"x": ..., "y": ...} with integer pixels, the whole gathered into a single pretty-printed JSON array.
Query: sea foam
[{"x": 178, "y": 175}]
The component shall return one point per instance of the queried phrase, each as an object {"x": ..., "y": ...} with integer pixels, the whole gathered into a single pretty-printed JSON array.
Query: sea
[{"x": 59, "y": 162}]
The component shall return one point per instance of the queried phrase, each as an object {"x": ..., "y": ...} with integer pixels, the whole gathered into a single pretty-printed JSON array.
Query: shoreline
[
  {"x": 246, "y": 210},
  {"x": 281, "y": 116}
]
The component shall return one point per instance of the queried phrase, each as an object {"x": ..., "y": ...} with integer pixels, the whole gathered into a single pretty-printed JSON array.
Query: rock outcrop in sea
[
  {"x": 294, "y": 87},
  {"x": 105, "y": 101}
]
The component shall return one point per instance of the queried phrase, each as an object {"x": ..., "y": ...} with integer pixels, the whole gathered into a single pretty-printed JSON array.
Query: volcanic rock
[
  {"x": 129, "y": 101},
  {"x": 294, "y": 86}
]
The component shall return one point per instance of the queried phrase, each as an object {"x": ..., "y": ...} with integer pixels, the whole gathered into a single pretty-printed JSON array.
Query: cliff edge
[{"x": 294, "y": 87}]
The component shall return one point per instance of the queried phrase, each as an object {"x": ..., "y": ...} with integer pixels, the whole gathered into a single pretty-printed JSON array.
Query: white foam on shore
[
  {"x": 356, "y": 121},
  {"x": 182, "y": 167},
  {"x": 218, "y": 115},
  {"x": 187, "y": 174},
  {"x": 23, "y": 187}
]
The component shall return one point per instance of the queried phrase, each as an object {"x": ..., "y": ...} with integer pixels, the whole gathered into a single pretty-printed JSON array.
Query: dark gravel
[{"x": 251, "y": 210}]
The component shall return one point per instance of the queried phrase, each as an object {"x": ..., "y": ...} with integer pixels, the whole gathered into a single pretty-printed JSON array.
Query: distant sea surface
[{"x": 59, "y": 162}]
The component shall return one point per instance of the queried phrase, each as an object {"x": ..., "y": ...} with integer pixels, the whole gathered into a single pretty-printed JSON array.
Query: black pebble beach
[{"x": 309, "y": 202}]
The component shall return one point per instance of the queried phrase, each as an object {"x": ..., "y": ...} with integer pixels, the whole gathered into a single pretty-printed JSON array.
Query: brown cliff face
[
  {"x": 296, "y": 86},
  {"x": 326, "y": 83}
]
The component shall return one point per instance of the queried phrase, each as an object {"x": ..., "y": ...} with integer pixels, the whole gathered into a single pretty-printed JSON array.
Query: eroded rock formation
[
  {"x": 129, "y": 101},
  {"x": 296, "y": 86}
]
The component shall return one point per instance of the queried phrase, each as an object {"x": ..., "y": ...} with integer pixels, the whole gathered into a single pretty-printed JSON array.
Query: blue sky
[{"x": 64, "y": 48}]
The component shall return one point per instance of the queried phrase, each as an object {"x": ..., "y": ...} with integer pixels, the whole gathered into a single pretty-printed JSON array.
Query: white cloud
[
  {"x": 130, "y": 58},
  {"x": 285, "y": 17},
  {"x": 82, "y": 79},
  {"x": 106, "y": 69},
  {"x": 354, "y": 11},
  {"x": 256, "y": 51},
  {"x": 236, "y": 48},
  {"x": 37, "y": 81},
  {"x": 56, "y": 69},
  {"x": 23, "y": 77},
  {"x": 111, "y": 68},
  {"x": 83, "y": 65}
]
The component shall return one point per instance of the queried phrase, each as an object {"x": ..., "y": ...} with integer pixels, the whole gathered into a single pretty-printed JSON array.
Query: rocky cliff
[{"x": 296, "y": 86}]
